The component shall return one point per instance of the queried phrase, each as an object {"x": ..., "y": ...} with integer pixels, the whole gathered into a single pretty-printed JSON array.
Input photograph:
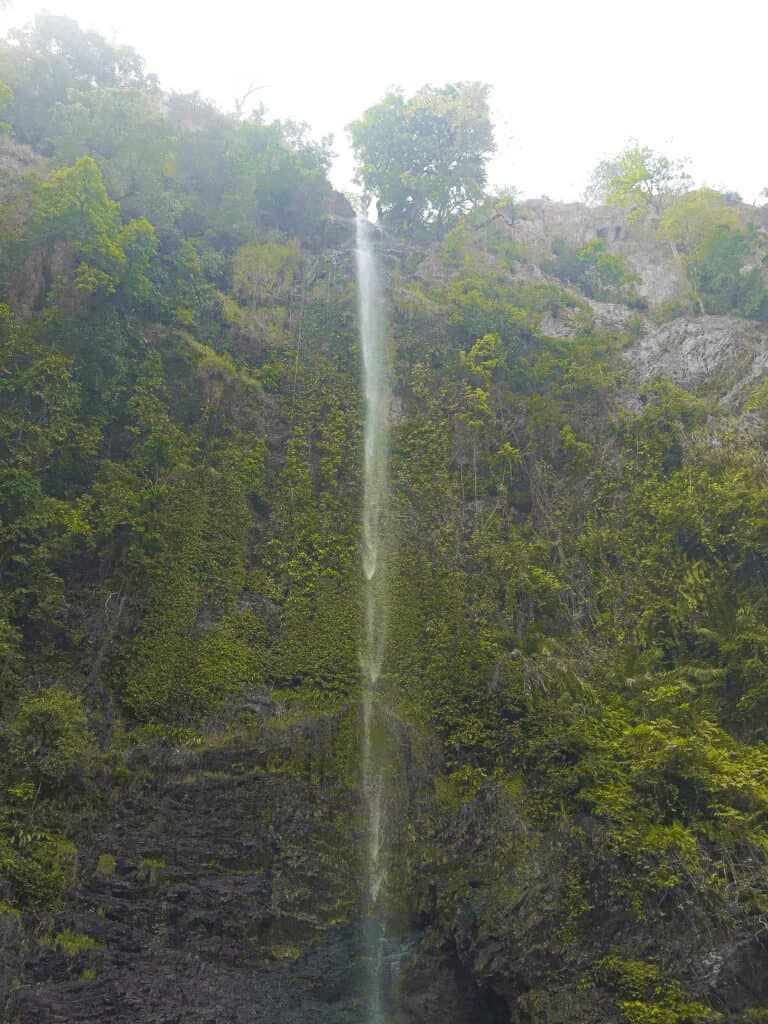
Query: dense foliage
[
  {"x": 424, "y": 158},
  {"x": 579, "y": 592}
]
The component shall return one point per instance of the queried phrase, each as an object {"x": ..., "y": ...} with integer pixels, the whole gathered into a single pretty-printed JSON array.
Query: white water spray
[{"x": 376, "y": 390}]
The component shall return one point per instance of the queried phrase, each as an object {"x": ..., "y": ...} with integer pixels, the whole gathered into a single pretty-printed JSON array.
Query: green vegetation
[
  {"x": 639, "y": 179},
  {"x": 722, "y": 256},
  {"x": 643, "y": 997},
  {"x": 151, "y": 869},
  {"x": 578, "y": 593},
  {"x": 106, "y": 865},
  {"x": 72, "y": 943},
  {"x": 597, "y": 272},
  {"x": 424, "y": 158}
]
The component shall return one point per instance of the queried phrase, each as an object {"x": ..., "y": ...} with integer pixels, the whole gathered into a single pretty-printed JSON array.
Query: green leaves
[
  {"x": 199, "y": 526},
  {"x": 599, "y": 274},
  {"x": 48, "y": 738},
  {"x": 424, "y": 158},
  {"x": 720, "y": 252},
  {"x": 6, "y": 95},
  {"x": 645, "y": 998},
  {"x": 71, "y": 207},
  {"x": 639, "y": 179}
]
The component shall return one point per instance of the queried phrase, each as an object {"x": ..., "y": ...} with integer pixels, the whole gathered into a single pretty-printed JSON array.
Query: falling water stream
[{"x": 376, "y": 391}]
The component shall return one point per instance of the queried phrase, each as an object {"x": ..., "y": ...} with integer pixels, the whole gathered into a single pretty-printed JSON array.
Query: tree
[
  {"x": 128, "y": 135},
  {"x": 725, "y": 270},
  {"x": 691, "y": 218},
  {"x": 424, "y": 158},
  {"x": 6, "y": 95},
  {"x": 53, "y": 58},
  {"x": 721, "y": 256},
  {"x": 72, "y": 206},
  {"x": 638, "y": 178}
]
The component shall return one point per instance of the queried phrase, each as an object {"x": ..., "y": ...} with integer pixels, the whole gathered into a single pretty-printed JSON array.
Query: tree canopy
[
  {"x": 424, "y": 158},
  {"x": 638, "y": 178},
  {"x": 721, "y": 254}
]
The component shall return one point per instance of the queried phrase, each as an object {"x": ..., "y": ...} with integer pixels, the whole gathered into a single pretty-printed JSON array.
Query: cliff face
[
  {"x": 223, "y": 884},
  {"x": 662, "y": 278},
  {"x": 542, "y": 908},
  {"x": 661, "y": 272},
  {"x": 723, "y": 356},
  {"x": 202, "y": 878},
  {"x": 575, "y": 713}
]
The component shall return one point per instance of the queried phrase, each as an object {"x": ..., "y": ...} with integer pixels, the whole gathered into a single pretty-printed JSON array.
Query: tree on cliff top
[
  {"x": 638, "y": 178},
  {"x": 424, "y": 158}
]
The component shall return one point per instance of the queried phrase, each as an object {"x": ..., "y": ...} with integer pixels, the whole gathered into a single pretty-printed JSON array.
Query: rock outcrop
[
  {"x": 221, "y": 882},
  {"x": 661, "y": 276},
  {"x": 534, "y": 924},
  {"x": 724, "y": 355}
]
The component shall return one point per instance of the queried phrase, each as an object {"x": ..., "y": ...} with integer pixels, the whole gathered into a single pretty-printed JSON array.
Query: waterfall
[{"x": 376, "y": 392}]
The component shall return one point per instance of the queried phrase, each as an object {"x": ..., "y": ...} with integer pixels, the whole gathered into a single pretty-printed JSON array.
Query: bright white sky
[{"x": 572, "y": 80}]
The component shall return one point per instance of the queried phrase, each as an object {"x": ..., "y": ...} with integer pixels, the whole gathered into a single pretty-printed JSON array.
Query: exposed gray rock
[
  {"x": 719, "y": 353},
  {"x": 606, "y": 316},
  {"x": 532, "y": 912},
  {"x": 11, "y": 954},
  {"x": 16, "y": 159},
  {"x": 227, "y": 891},
  {"x": 222, "y": 884},
  {"x": 662, "y": 278}
]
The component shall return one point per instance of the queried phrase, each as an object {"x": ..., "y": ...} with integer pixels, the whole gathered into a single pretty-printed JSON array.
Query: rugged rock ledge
[
  {"x": 722, "y": 354},
  {"x": 221, "y": 885}
]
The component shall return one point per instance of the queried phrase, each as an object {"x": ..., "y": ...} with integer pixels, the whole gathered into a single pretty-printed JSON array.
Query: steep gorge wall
[{"x": 220, "y": 880}]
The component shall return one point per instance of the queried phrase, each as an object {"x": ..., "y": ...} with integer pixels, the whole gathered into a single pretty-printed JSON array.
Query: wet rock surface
[
  {"x": 170, "y": 986},
  {"x": 661, "y": 276},
  {"x": 518, "y": 932},
  {"x": 222, "y": 886}
]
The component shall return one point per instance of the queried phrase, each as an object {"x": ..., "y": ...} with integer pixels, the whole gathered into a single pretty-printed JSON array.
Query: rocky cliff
[
  {"x": 575, "y": 701},
  {"x": 222, "y": 883}
]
